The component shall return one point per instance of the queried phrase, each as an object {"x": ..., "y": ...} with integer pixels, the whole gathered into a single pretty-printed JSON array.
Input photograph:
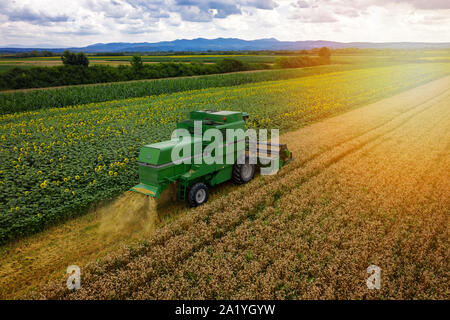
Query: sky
[{"x": 76, "y": 23}]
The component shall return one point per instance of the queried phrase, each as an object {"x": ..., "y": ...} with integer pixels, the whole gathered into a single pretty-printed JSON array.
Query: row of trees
[
  {"x": 37, "y": 77},
  {"x": 70, "y": 58},
  {"x": 324, "y": 57},
  {"x": 30, "y": 54},
  {"x": 313, "y": 51},
  {"x": 76, "y": 70}
]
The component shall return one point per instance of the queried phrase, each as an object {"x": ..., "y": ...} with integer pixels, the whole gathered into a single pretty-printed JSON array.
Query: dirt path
[{"x": 371, "y": 186}]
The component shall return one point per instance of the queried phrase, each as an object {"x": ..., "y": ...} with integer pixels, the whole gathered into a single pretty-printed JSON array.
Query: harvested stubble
[{"x": 368, "y": 187}]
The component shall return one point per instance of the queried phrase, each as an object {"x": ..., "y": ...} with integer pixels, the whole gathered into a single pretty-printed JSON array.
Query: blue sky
[{"x": 57, "y": 23}]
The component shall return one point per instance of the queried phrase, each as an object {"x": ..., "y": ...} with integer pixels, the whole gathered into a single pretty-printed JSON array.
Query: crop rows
[{"x": 56, "y": 162}]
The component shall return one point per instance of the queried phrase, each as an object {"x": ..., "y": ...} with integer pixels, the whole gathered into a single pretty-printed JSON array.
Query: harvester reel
[{"x": 198, "y": 194}]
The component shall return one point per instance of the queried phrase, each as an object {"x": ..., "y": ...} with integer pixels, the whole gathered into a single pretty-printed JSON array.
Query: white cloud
[{"x": 79, "y": 23}]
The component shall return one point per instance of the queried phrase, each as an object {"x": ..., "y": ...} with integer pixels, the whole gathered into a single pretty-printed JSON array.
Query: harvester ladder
[{"x": 182, "y": 189}]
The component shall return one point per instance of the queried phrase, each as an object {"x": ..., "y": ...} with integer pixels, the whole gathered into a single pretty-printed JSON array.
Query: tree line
[
  {"x": 76, "y": 70},
  {"x": 324, "y": 57},
  {"x": 30, "y": 54}
]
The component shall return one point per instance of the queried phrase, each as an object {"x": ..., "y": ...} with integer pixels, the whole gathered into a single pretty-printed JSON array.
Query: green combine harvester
[{"x": 191, "y": 180}]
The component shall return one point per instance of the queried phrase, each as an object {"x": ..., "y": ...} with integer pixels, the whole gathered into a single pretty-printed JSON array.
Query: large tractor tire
[
  {"x": 198, "y": 194},
  {"x": 243, "y": 173}
]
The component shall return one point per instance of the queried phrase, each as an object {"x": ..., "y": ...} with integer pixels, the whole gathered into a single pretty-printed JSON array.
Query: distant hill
[{"x": 233, "y": 44}]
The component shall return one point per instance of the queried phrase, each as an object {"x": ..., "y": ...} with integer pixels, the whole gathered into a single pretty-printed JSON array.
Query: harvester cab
[{"x": 191, "y": 174}]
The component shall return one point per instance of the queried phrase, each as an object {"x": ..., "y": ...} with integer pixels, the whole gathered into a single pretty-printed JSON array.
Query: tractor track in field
[{"x": 177, "y": 245}]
